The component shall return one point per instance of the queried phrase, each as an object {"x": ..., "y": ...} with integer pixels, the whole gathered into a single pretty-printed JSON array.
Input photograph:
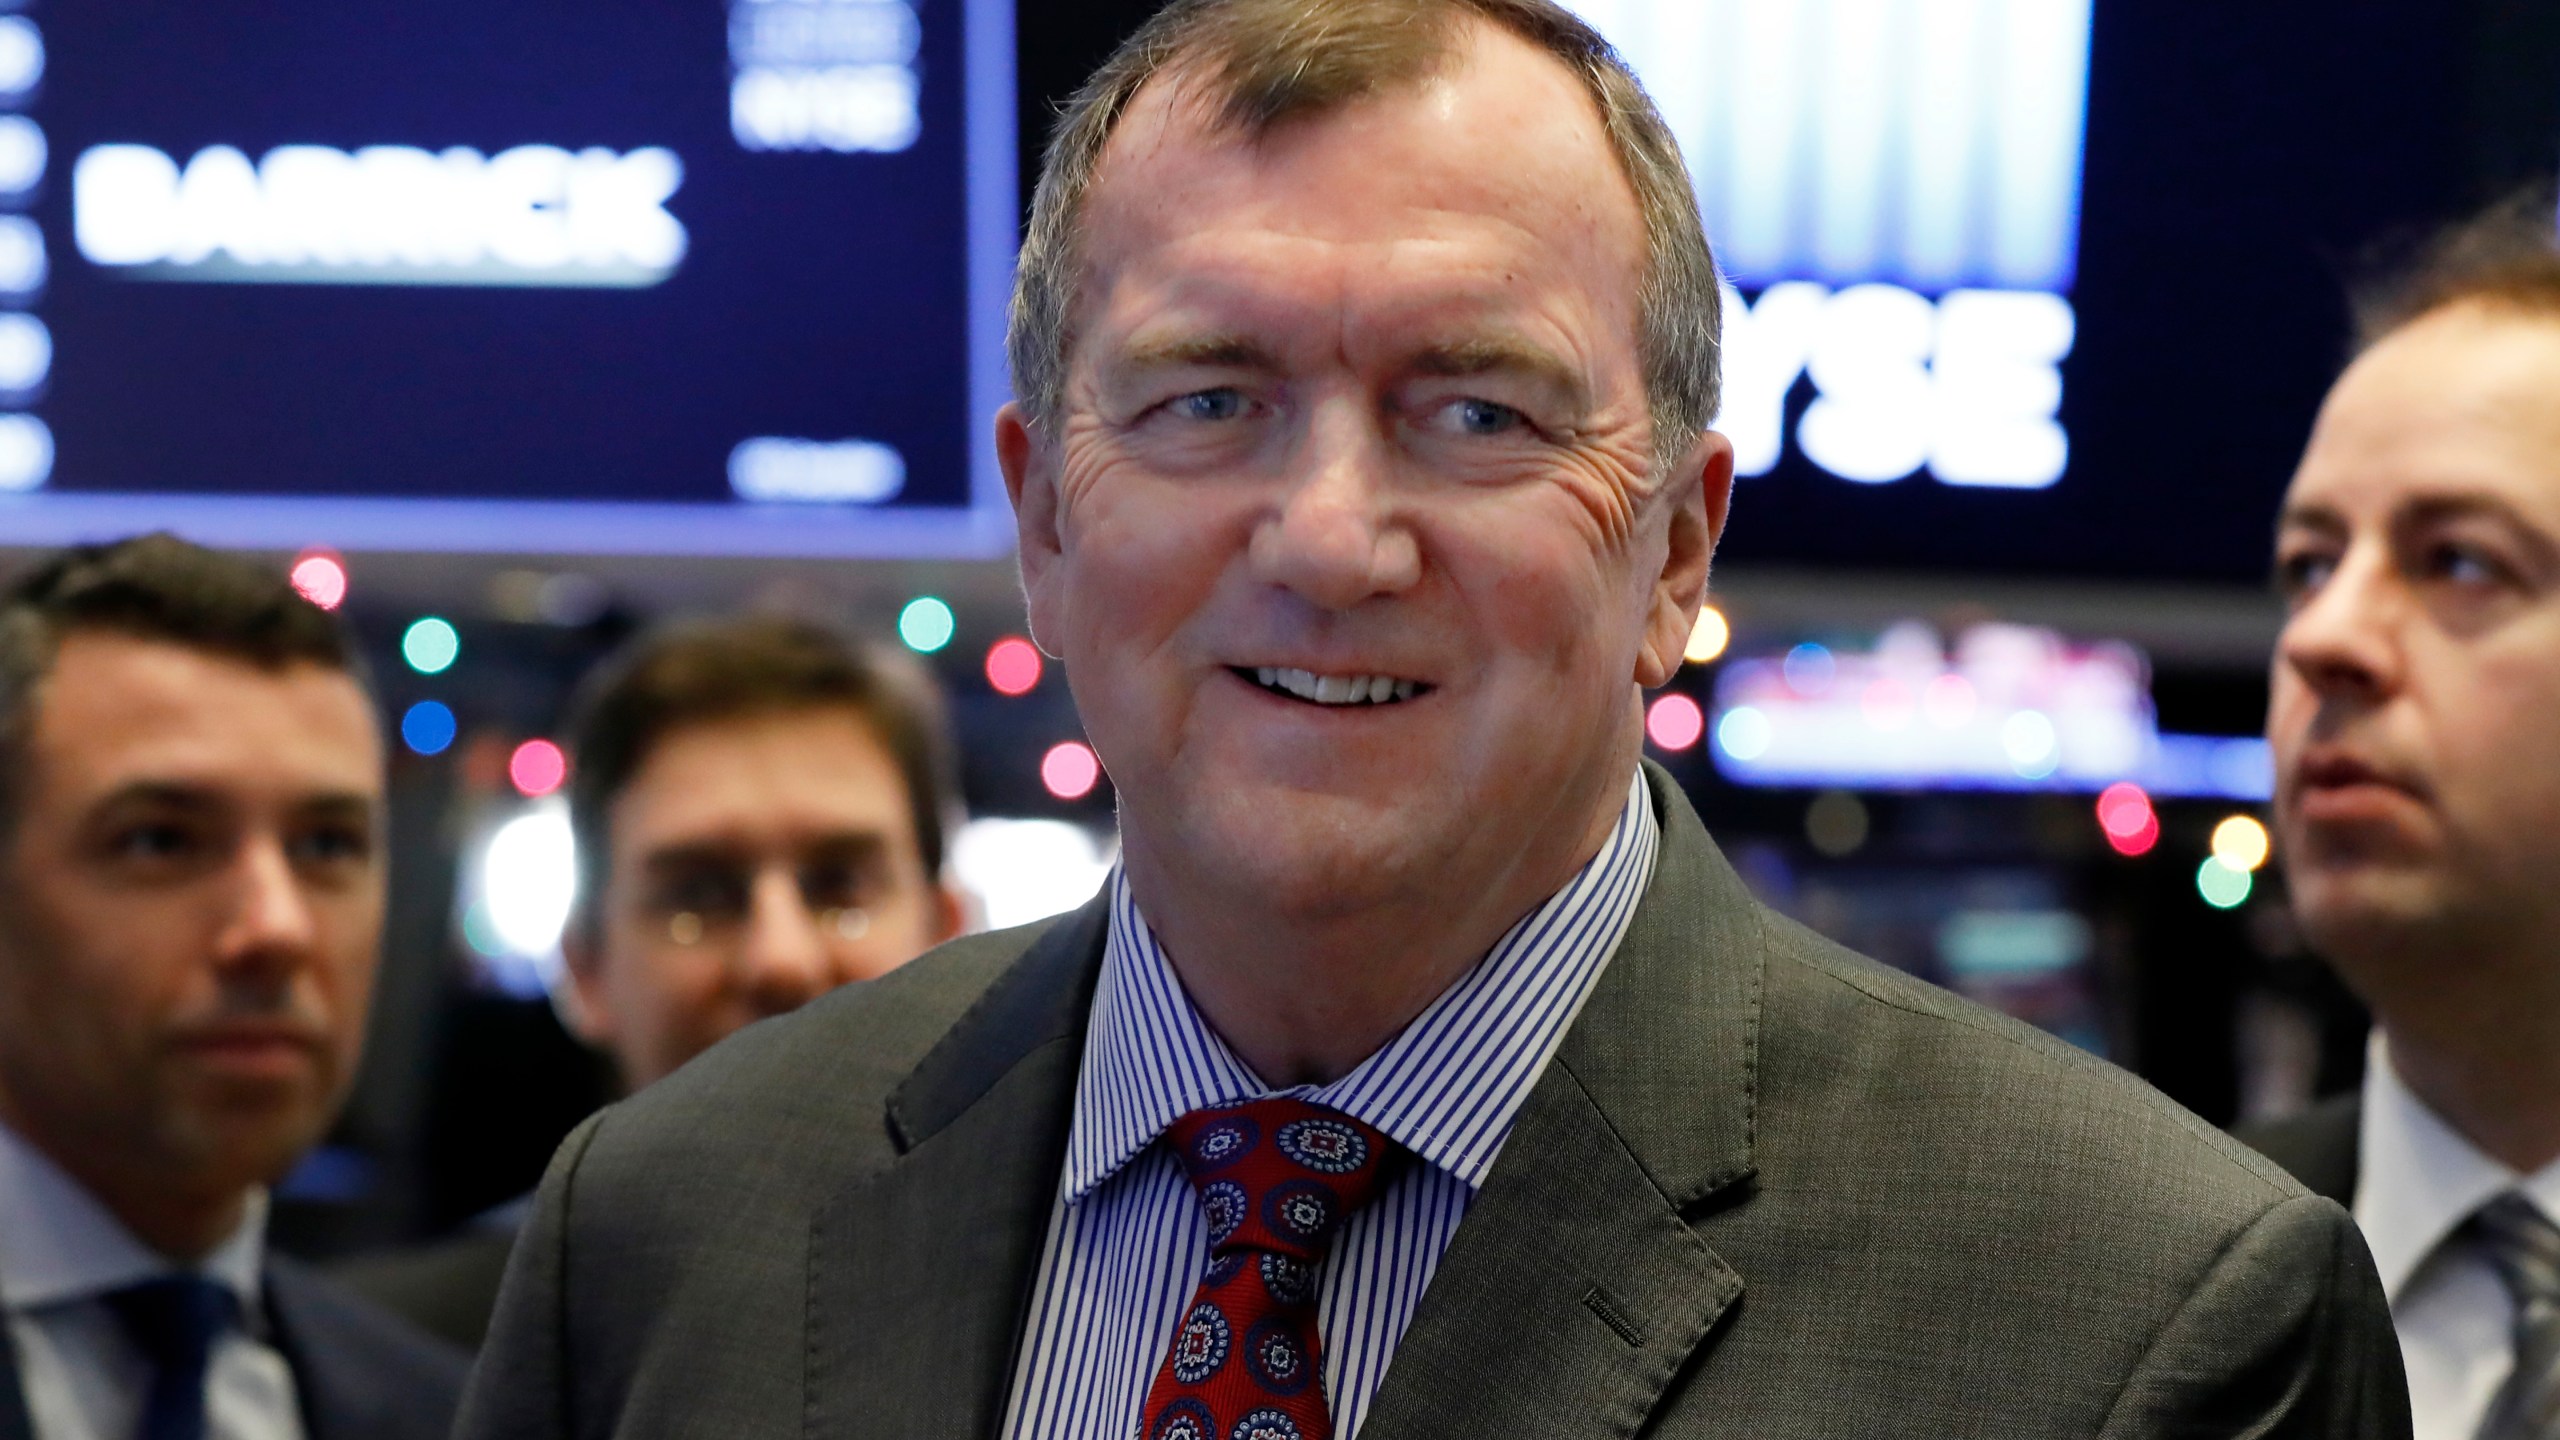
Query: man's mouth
[{"x": 1317, "y": 689}]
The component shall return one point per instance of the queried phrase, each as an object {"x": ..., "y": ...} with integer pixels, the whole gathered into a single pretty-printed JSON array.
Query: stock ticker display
[
  {"x": 2036, "y": 286},
  {"x": 676, "y": 278}
]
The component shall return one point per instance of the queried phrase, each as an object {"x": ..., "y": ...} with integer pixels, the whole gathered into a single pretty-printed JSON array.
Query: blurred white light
[
  {"x": 1765, "y": 347},
  {"x": 21, "y": 55},
  {"x": 1026, "y": 870},
  {"x": 844, "y": 108},
  {"x": 534, "y": 214},
  {"x": 26, "y": 453},
  {"x": 1999, "y": 388},
  {"x": 2028, "y": 739},
  {"x": 1743, "y": 733},
  {"x": 1871, "y": 359},
  {"x": 528, "y": 877},
  {"x": 22, "y": 262},
  {"x": 22, "y": 154},
  {"x": 26, "y": 352},
  {"x": 819, "y": 472}
]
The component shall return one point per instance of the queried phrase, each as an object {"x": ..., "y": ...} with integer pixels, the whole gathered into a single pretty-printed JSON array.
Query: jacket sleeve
[
  {"x": 520, "y": 1388},
  {"x": 2288, "y": 1337}
]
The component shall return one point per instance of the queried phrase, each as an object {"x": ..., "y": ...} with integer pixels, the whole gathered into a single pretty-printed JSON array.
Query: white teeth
[{"x": 1338, "y": 689}]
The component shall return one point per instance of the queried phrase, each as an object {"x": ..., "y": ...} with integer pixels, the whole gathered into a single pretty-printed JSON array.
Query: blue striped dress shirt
[{"x": 1127, "y": 1242}]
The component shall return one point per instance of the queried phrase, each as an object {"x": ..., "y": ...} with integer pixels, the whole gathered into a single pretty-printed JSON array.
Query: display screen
[
  {"x": 661, "y": 278},
  {"x": 2033, "y": 286}
]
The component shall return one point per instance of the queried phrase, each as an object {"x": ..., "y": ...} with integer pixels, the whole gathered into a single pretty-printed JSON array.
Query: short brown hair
[
  {"x": 703, "y": 671},
  {"x": 150, "y": 587},
  {"x": 1270, "y": 61},
  {"x": 2505, "y": 258}
]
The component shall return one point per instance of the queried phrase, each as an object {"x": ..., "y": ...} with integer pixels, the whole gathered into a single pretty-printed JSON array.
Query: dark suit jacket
[
  {"x": 1766, "y": 1189},
  {"x": 360, "y": 1374},
  {"x": 2318, "y": 1147},
  {"x": 447, "y": 1288}
]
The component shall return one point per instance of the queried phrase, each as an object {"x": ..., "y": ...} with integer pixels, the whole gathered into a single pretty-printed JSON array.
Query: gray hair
[{"x": 1270, "y": 61}]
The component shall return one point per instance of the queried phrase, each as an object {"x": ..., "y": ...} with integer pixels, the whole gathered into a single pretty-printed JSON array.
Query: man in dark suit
[
  {"x": 760, "y": 807},
  {"x": 2416, "y": 722},
  {"x": 191, "y": 892},
  {"x": 1423, "y": 1069}
]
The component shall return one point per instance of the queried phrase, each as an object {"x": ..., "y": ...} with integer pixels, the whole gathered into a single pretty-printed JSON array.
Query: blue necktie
[
  {"x": 2524, "y": 1248},
  {"x": 175, "y": 1321}
]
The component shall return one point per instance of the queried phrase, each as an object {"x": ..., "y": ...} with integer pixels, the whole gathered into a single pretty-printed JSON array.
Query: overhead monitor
[{"x": 673, "y": 279}]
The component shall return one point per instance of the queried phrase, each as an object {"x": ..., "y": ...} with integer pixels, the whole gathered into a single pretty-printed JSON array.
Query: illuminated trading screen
[{"x": 659, "y": 278}]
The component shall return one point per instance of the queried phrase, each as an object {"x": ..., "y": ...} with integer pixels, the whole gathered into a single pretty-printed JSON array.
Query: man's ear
[
  {"x": 1031, "y": 479},
  {"x": 1700, "y": 491},
  {"x": 577, "y": 996},
  {"x": 950, "y": 912}
]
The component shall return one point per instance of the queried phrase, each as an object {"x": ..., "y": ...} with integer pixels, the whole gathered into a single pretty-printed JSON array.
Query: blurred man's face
[
  {"x": 1350, "y": 530},
  {"x": 2416, "y": 709},
  {"x": 190, "y": 905},
  {"x": 756, "y": 864}
]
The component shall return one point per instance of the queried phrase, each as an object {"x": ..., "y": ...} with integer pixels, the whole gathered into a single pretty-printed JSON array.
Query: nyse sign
[{"x": 1897, "y": 184}]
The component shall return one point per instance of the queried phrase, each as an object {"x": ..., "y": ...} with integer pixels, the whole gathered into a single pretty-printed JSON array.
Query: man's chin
[{"x": 1313, "y": 854}]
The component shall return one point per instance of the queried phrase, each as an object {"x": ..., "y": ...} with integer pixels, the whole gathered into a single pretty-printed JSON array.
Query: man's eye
[
  {"x": 2299, "y": 575},
  {"x": 1211, "y": 405},
  {"x": 1482, "y": 417},
  {"x": 152, "y": 842},
  {"x": 332, "y": 846},
  {"x": 2463, "y": 565}
]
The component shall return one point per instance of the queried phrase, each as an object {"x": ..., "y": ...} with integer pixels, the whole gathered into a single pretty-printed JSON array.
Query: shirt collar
[
  {"x": 61, "y": 1244},
  {"x": 2418, "y": 1179},
  {"x": 1447, "y": 1087}
]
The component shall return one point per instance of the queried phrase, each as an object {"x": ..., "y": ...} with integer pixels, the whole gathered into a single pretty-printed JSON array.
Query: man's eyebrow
[
  {"x": 680, "y": 854},
  {"x": 1461, "y": 358},
  {"x": 2437, "y": 509},
  {"x": 1222, "y": 352},
  {"x": 160, "y": 794},
  {"x": 2319, "y": 518}
]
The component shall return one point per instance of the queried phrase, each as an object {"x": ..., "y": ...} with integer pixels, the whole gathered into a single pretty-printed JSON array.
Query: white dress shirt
[
  {"x": 60, "y": 1252},
  {"x": 2417, "y": 1181},
  {"x": 1127, "y": 1240}
]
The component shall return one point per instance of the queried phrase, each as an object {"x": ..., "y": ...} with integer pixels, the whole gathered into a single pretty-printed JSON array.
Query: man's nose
[
  {"x": 781, "y": 957},
  {"x": 271, "y": 922},
  {"x": 2344, "y": 641},
  {"x": 1333, "y": 537}
]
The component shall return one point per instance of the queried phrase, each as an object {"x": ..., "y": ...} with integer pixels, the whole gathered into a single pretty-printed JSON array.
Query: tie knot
[
  {"x": 1279, "y": 1175},
  {"x": 175, "y": 1319},
  {"x": 2523, "y": 1246}
]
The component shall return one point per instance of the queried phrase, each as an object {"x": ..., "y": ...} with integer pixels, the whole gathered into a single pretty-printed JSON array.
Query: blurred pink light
[
  {"x": 1948, "y": 701},
  {"x": 321, "y": 578},
  {"x": 1070, "y": 770},
  {"x": 1013, "y": 666},
  {"x": 1675, "y": 722},
  {"x": 2126, "y": 815},
  {"x": 538, "y": 768}
]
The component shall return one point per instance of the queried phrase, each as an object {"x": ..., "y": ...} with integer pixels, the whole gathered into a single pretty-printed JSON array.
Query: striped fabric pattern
[
  {"x": 2524, "y": 1247},
  {"x": 1127, "y": 1242}
]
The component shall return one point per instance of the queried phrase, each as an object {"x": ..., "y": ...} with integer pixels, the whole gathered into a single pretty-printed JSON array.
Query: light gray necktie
[{"x": 2524, "y": 1247}]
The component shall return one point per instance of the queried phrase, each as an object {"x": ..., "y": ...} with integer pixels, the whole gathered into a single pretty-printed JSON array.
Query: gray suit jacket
[{"x": 1767, "y": 1189}]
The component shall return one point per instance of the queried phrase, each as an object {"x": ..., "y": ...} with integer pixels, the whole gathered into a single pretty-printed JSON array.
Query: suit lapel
[
  {"x": 1575, "y": 1291},
  {"x": 920, "y": 1273}
]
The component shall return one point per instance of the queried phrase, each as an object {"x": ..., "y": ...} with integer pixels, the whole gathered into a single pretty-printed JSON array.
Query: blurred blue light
[
  {"x": 431, "y": 646},
  {"x": 926, "y": 624},
  {"x": 1810, "y": 669},
  {"x": 1743, "y": 733},
  {"x": 429, "y": 727}
]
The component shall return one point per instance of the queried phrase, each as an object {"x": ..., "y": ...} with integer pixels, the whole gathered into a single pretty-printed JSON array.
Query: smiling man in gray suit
[{"x": 1423, "y": 1070}]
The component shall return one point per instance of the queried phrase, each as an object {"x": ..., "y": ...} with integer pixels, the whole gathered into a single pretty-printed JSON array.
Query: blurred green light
[
  {"x": 2221, "y": 886},
  {"x": 431, "y": 646},
  {"x": 926, "y": 624}
]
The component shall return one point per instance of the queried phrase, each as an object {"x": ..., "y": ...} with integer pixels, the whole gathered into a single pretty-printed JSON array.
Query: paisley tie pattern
[{"x": 1275, "y": 1178}]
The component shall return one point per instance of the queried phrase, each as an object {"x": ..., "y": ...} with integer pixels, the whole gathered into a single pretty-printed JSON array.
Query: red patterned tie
[{"x": 1277, "y": 1177}]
